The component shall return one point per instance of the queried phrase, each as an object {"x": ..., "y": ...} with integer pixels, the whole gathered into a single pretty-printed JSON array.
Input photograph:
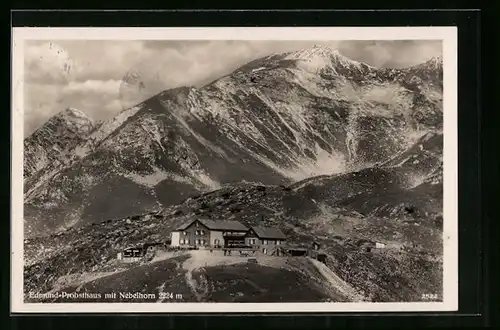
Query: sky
[{"x": 88, "y": 75}]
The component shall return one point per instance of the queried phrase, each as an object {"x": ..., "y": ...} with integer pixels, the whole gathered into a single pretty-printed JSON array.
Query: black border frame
[{"x": 473, "y": 245}]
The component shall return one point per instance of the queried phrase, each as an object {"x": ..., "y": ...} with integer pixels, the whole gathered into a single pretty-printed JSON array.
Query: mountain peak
[
  {"x": 76, "y": 117},
  {"x": 315, "y": 52},
  {"x": 320, "y": 57},
  {"x": 435, "y": 61},
  {"x": 73, "y": 119},
  {"x": 50, "y": 144},
  {"x": 72, "y": 113}
]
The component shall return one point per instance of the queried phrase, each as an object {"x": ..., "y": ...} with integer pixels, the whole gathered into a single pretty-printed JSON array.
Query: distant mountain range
[{"x": 336, "y": 132}]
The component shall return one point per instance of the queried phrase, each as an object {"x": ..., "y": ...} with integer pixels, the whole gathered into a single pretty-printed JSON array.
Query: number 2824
[{"x": 430, "y": 296}]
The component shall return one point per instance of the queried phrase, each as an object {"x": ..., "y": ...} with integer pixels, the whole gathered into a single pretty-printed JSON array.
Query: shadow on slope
[{"x": 166, "y": 281}]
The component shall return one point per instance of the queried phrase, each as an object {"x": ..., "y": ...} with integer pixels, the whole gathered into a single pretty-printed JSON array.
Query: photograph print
[{"x": 198, "y": 171}]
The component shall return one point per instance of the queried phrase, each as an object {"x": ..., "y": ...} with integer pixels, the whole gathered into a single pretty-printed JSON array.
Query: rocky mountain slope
[
  {"x": 410, "y": 265},
  {"x": 276, "y": 120},
  {"x": 51, "y": 144},
  {"x": 343, "y": 211}
]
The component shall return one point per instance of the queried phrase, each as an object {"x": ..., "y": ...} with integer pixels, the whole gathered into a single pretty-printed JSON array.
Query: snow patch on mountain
[
  {"x": 412, "y": 136},
  {"x": 206, "y": 181},
  {"x": 80, "y": 151},
  {"x": 326, "y": 164},
  {"x": 149, "y": 125},
  {"x": 75, "y": 118},
  {"x": 259, "y": 69},
  {"x": 390, "y": 94},
  {"x": 152, "y": 179},
  {"x": 319, "y": 58},
  {"x": 414, "y": 180},
  {"x": 310, "y": 82}
]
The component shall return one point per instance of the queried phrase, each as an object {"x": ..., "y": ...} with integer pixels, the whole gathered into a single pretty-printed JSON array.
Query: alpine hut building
[{"x": 209, "y": 233}]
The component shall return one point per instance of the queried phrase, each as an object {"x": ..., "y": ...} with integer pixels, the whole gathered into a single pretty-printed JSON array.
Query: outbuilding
[{"x": 268, "y": 240}]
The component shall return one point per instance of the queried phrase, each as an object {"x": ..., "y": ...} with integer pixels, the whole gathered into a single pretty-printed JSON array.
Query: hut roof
[
  {"x": 268, "y": 232},
  {"x": 222, "y": 225}
]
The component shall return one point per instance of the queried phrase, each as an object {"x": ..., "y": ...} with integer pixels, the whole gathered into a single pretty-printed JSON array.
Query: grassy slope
[{"x": 242, "y": 282}]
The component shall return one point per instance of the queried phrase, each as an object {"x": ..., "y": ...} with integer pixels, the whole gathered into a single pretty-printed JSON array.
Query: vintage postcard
[{"x": 234, "y": 169}]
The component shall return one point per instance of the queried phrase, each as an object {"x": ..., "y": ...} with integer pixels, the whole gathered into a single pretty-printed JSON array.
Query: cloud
[
  {"x": 391, "y": 54},
  {"x": 93, "y": 86},
  {"x": 104, "y": 60},
  {"x": 48, "y": 63},
  {"x": 113, "y": 106},
  {"x": 89, "y": 75},
  {"x": 98, "y": 99},
  {"x": 173, "y": 44}
]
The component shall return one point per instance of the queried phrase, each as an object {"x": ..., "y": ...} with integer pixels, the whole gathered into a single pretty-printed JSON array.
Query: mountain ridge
[{"x": 273, "y": 126}]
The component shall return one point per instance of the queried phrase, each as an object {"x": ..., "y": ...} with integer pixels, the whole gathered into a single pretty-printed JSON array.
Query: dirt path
[
  {"x": 201, "y": 259},
  {"x": 336, "y": 282}
]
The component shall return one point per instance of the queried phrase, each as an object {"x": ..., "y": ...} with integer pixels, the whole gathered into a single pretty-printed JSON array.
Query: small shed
[
  {"x": 138, "y": 252},
  {"x": 367, "y": 246},
  {"x": 316, "y": 246},
  {"x": 152, "y": 246},
  {"x": 132, "y": 254},
  {"x": 321, "y": 257}
]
